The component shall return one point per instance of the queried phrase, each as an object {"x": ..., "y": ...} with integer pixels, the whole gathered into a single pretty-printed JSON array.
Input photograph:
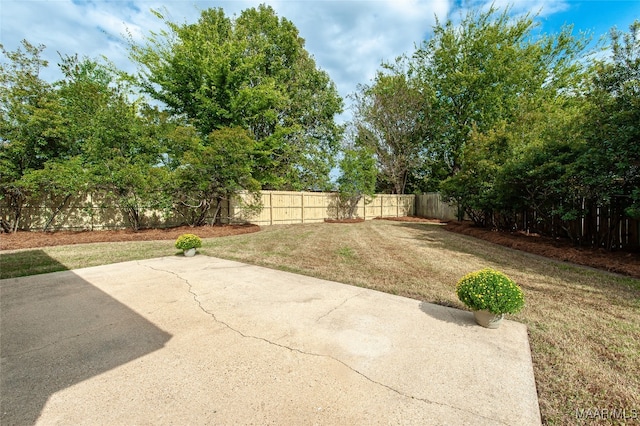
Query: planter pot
[
  {"x": 189, "y": 252},
  {"x": 488, "y": 319}
]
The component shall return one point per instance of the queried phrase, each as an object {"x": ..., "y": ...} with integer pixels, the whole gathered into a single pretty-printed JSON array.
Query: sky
[{"x": 348, "y": 39}]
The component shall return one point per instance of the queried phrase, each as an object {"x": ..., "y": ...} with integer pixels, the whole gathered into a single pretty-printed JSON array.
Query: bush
[
  {"x": 490, "y": 290},
  {"x": 188, "y": 241}
]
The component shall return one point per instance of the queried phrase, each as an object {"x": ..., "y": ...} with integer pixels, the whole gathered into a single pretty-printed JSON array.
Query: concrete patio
[{"x": 202, "y": 340}]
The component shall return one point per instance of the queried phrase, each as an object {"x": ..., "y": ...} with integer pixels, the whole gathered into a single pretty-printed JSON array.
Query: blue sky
[
  {"x": 348, "y": 39},
  {"x": 597, "y": 16}
]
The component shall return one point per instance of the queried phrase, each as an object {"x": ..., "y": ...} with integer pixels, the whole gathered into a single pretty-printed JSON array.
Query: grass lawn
[{"x": 584, "y": 325}]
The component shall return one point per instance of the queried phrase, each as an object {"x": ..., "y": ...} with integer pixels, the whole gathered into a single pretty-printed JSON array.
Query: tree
[
  {"x": 610, "y": 165},
  {"x": 357, "y": 178},
  {"x": 118, "y": 143},
  {"x": 523, "y": 165},
  {"x": 55, "y": 185},
  {"x": 484, "y": 71},
  {"x": 391, "y": 120},
  {"x": 252, "y": 72},
  {"x": 214, "y": 172},
  {"x": 608, "y": 168},
  {"x": 473, "y": 187},
  {"x": 484, "y": 79},
  {"x": 31, "y": 126}
]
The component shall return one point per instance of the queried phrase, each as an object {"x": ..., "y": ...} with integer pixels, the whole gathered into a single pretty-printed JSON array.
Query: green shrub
[
  {"x": 188, "y": 241},
  {"x": 490, "y": 290}
]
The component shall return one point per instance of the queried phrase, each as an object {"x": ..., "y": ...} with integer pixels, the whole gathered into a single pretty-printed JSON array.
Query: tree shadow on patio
[{"x": 59, "y": 330}]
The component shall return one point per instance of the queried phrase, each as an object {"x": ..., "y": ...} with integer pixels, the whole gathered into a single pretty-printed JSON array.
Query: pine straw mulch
[
  {"x": 621, "y": 262},
  {"x": 23, "y": 240},
  {"x": 345, "y": 220}
]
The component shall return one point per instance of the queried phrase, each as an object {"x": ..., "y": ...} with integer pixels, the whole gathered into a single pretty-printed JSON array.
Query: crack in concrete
[
  {"x": 338, "y": 306},
  {"x": 270, "y": 342},
  {"x": 62, "y": 339}
]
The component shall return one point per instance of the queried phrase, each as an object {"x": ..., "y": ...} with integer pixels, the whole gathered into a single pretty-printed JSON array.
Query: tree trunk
[
  {"x": 55, "y": 213},
  {"x": 217, "y": 220}
]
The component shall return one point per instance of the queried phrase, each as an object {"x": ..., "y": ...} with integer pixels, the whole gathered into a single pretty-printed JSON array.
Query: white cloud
[
  {"x": 534, "y": 7},
  {"x": 541, "y": 7},
  {"x": 349, "y": 39}
]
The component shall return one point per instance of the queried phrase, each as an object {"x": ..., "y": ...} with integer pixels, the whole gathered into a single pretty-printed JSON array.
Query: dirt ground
[{"x": 620, "y": 262}]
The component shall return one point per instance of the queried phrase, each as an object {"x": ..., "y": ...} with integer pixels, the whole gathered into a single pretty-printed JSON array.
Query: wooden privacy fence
[
  {"x": 93, "y": 212},
  {"x": 598, "y": 226},
  {"x": 285, "y": 207},
  {"x": 430, "y": 205},
  {"x": 601, "y": 227},
  {"x": 86, "y": 212}
]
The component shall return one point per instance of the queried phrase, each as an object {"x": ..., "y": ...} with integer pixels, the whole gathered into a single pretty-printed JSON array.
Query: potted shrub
[
  {"x": 188, "y": 243},
  {"x": 490, "y": 294}
]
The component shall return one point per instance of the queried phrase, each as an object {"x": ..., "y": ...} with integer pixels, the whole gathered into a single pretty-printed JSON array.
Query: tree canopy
[
  {"x": 251, "y": 72},
  {"x": 522, "y": 130},
  {"x": 391, "y": 120},
  {"x": 235, "y": 105}
]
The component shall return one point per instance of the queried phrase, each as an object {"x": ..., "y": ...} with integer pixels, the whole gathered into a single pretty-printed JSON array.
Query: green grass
[
  {"x": 347, "y": 254},
  {"x": 584, "y": 324}
]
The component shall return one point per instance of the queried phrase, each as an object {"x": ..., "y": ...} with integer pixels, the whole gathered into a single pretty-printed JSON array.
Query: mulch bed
[
  {"x": 23, "y": 240},
  {"x": 412, "y": 219},
  {"x": 346, "y": 220}
]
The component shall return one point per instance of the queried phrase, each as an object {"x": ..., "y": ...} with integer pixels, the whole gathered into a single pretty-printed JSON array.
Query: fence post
[
  {"x": 302, "y": 204},
  {"x": 93, "y": 212}
]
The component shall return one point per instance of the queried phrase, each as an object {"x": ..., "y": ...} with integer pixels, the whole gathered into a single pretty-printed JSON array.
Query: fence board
[
  {"x": 603, "y": 227},
  {"x": 431, "y": 205},
  {"x": 279, "y": 207},
  {"x": 285, "y": 207},
  {"x": 599, "y": 227}
]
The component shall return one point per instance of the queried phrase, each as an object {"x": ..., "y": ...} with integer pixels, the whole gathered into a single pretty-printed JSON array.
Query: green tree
[
  {"x": 55, "y": 185},
  {"x": 118, "y": 143},
  {"x": 391, "y": 120},
  {"x": 610, "y": 166},
  {"x": 473, "y": 187},
  {"x": 31, "y": 126},
  {"x": 252, "y": 72},
  {"x": 522, "y": 165},
  {"x": 484, "y": 71},
  {"x": 214, "y": 172},
  {"x": 357, "y": 178},
  {"x": 484, "y": 79},
  {"x": 538, "y": 177}
]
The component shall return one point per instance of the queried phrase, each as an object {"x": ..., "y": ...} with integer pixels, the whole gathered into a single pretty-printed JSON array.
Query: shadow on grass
[
  {"x": 59, "y": 330},
  {"x": 566, "y": 278},
  {"x": 429, "y": 232},
  {"x": 28, "y": 262}
]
